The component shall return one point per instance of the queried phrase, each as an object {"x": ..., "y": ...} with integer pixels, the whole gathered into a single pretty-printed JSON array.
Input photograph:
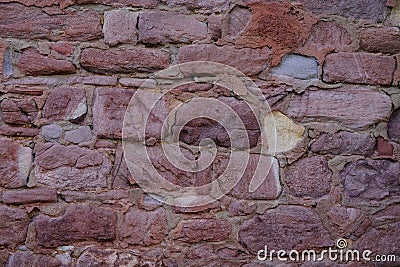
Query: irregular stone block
[
  {"x": 170, "y": 27},
  {"x": 197, "y": 230},
  {"x": 125, "y": 61},
  {"x": 13, "y": 226},
  {"x": 70, "y": 166},
  {"x": 15, "y": 164},
  {"x": 309, "y": 177},
  {"x": 95, "y": 224},
  {"x": 298, "y": 67},
  {"x": 120, "y": 27},
  {"x": 359, "y": 68},
  {"x": 285, "y": 227},
  {"x": 27, "y": 196},
  {"x": 353, "y": 107},
  {"x": 368, "y": 180}
]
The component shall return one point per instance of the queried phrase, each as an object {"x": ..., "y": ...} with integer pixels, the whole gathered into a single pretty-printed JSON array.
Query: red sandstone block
[
  {"x": 33, "y": 63},
  {"x": 249, "y": 61},
  {"x": 170, "y": 27},
  {"x": 82, "y": 25},
  {"x": 352, "y": 106},
  {"x": 359, "y": 68},
  {"x": 79, "y": 223},
  {"x": 380, "y": 40},
  {"x": 125, "y": 61},
  {"x": 196, "y": 230},
  {"x": 13, "y": 226},
  {"x": 120, "y": 27},
  {"x": 27, "y": 196}
]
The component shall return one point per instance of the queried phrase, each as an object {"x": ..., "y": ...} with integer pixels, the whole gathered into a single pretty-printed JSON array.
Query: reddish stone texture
[
  {"x": 81, "y": 25},
  {"x": 3, "y": 47},
  {"x": 120, "y": 27},
  {"x": 383, "y": 240},
  {"x": 196, "y": 230},
  {"x": 384, "y": 148},
  {"x": 15, "y": 162},
  {"x": 142, "y": 227},
  {"x": 70, "y": 166},
  {"x": 327, "y": 37},
  {"x": 65, "y": 103},
  {"x": 27, "y": 258},
  {"x": 241, "y": 208},
  {"x": 18, "y": 131},
  {"x": 122, "y": 177},
  {"x": 343, "y": 219},
  {"x": 278, "y": 25},
  {"x": 236, "y": 22},
  {"x": 369, "y": 180},
  {"x": 396, "y": 75},
  {"x": 18, "y": 111},
  {"x": 33, "y": 63},
  {"x": 380, "y": 40},
  {"x": 285, "y": 227},
  {"x": 249, "y": 61},
  {"x": 353, "y": 107},
  {"x": 394, "y": 126},
  {"x": 309, "y": 177},
  {"x": 170, "y": 27},
  {"x": 270, "y": 187},
  {"x": 123, "y": 61},
  {"x": 121, "y": 3},
  {"x": 63, "y": 48},
  {"x": 95, "y": 223},
  {"x": 108, "y": 111},
  {"x": 359, "y": 68},
  {"x": 109, "y": 257},
  {"x": 27, "y": 196},
  {"x": 13, "y": 226},
  {"x": 202, "y": 5},
  {"x": 214, "y": 23},
  {"x": 344, "y": 143},
  {"x": 372, "y": 10}
]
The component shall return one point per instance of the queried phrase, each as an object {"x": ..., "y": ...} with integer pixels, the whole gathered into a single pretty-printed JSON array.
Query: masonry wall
[{"x": 330, "y": 71}]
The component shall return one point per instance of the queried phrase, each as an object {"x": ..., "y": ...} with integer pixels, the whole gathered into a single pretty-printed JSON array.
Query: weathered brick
[
  {"x": 108, "y": 111},
  {"x": 285, "y": 227},
  {"x": 370, "y": 180},
  {"x": 27, "y": 258},
  {"x": 249, "y": 61},
  {"x": 196, "y": 230},
  {"x": 33, "y": 63},
  {"x": 120, "y": 27},
  {"x": 201, "y": 5},
  {"x": 373, "y": 10},
  {"x": 83, "y": 25},
  {"x": 13, "y": 226},
  {"x": 270, "y": 187},
  {"x": 15, "y": 164},
  {"x": 141, "y": 227},
  {"x": 65, "y": 103},
  {"x": 18, "y": 111},
  {"x": 126, "y": 61},
  {"x": 281, "y": 26},
  {"x": 394, "y": 126},
  {"x": 359, "y": 68},
  {"x": 309, "y": 177},
  {"x": 170, "y": 27},
  {"x": 326, "y": 37},
  {"x": 353, "y": 107},
  {"x": 380, "y": 40},
  {"x": 344, "y": 143},
  {"x": 95, "y": 224},
  {"x": 70, "y": 166},
  {"x": 26, "y": 196}
]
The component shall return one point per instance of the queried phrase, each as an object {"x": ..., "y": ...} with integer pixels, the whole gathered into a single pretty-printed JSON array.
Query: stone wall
[{"x": 330, "y": 71}]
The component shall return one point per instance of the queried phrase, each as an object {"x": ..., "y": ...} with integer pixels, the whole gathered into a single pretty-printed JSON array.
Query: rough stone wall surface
[{"x": 330, "y": 71}]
